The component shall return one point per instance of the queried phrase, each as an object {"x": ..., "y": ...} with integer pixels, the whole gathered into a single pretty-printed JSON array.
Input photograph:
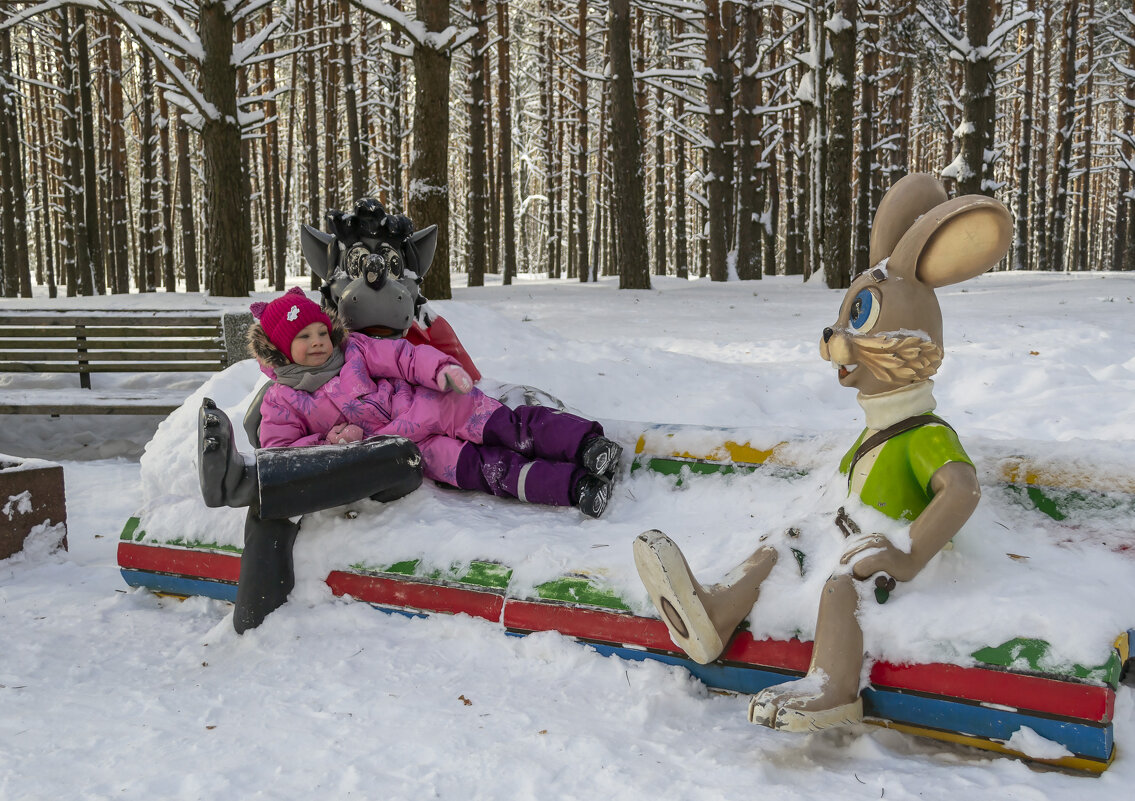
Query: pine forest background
[{"x": 165, "y": 144}]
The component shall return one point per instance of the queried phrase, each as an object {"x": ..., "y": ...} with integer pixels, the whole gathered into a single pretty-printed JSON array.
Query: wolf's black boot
[
  {"x": 266, "y": 574},
  {"x": 285, "y": 482},
  {"x": 280, "y": 483},
  {"x": 296, "y": 481}
]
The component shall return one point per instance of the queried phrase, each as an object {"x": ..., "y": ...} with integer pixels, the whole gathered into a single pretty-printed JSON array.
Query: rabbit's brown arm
[{"x": 956, "y": 493}]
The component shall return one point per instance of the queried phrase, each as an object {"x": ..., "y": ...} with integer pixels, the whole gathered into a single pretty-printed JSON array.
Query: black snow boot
[
  {"x": 600, "y": 456},
  {"x": 592, "y": 494}
]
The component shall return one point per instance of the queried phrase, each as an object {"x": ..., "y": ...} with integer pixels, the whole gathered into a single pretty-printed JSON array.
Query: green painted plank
[
  {"x": 581, "y": 590},
  {"x": 1031, "y": 654},
  {"x": 479, "y": 574}
]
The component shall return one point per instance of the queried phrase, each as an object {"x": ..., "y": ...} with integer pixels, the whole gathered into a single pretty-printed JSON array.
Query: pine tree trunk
[
  {"x": 719, "y": 183},
  {"x": 1081, "y": 256},
  {"x": 13, "y": 222},
  {"x": 492, "y": 188},
  {"x": 1123, "y": 251},
  {"x": 228, "y": 235},
  {"x": 311, "y": 132},
  {"x": 628, "y": 213},
  {"x": 504, "y": 132},
  {"x": 1021, "y": 255},
  {"x": 117, "y": 168},
  {"x": 96, "y": 268},
  {"x": 147, "y": 201},
  {"x": 1042, "y": 228},
  {"x": 329, "y": 82},
  {"x": 165, "y": 211},
  {"x": 42, "y": 125},
  {"x": 661, "y": 194},
  {"x": 681, "y": 236},
  {"x": 839, "y": 153},
  {"x": 185, "y": 207},
  {"x": 864, "y": 208},
  {"x": 78, "y": 276},
  {"x": 478, "y": 198},
  {"x": 581, "y": 199},
  {"x": 748, "y": 148},
  {"x": 1063, "y": 143},
  {"x": 980, "y": 103},
  {"x": 547, "y": 145},
  {"x": 351, "y": 105}
]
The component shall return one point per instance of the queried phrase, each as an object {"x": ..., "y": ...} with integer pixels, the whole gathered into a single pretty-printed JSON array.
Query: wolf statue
[{"x": 372, "y": 265}]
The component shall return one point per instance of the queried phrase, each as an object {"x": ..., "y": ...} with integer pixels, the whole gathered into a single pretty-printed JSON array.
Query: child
[{"x": 333, "y": 388}]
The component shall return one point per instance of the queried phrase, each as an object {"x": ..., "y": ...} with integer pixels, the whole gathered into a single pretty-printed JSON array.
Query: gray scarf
[{"x": 309, "y": 379}]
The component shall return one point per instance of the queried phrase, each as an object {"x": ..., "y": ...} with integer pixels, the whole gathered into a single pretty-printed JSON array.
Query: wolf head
[{"x": 372, "y": 264}]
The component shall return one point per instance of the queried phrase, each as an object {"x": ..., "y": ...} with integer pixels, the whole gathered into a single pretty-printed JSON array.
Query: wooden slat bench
[{"x": 119, "y": 342}]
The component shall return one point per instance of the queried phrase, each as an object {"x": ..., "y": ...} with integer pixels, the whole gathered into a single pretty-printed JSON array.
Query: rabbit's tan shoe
[{"x": 677, "y": 596}]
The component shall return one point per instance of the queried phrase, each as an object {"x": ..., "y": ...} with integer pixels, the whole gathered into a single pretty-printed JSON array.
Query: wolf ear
[
  {"x": 424, "y": 245},
  {"x": 315, "y": 245}
]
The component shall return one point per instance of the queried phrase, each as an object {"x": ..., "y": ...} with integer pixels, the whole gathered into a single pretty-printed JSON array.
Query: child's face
[{"x": 312, "y": 346}]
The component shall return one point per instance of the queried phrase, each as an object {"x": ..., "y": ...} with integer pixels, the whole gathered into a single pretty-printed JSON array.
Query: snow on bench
[{"x": 1015, "y": 640}]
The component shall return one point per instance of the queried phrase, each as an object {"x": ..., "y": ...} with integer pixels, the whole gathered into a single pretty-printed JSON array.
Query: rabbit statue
[{"x": 908, "y": 464}]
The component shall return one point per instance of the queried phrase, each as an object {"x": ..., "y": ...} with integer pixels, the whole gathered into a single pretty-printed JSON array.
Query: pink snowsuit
[{"x": 386, "y": 386}]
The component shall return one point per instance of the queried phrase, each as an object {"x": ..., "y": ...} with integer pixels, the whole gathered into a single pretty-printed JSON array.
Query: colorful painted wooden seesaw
[{"x": 1007, "y": 687}]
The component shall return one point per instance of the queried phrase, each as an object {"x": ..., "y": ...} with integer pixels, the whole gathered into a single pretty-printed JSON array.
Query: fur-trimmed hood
[{"x": 270, "y": 356}]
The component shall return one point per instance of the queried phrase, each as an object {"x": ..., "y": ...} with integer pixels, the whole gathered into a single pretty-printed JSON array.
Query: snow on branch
[
  {"x": 16, "y": 17},
  {"x": 1001, "y": 32},
  {"x": 249, "y": 8},
  {"x": 396, "y": 18},
  {"x": 243, "y": 51},
  {"x": 960, "y": 46},
  {"x": 191, "y": 92}
]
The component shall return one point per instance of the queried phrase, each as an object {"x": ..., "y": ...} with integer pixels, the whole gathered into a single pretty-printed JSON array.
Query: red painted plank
[
  {"x": 791, "y": 655},
  {"x": 1049, "y": 696},
  {"x": 179, "y": 561},
  {"x": 414, "y": 595},
  {"x": 590, "y": 624}
]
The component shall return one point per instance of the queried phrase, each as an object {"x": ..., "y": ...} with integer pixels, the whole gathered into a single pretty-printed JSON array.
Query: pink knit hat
[{"x": 286, "y": 316}]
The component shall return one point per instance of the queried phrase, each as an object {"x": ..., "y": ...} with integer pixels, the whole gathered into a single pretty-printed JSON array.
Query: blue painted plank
[
  {"x": 1094, "y": 742},
  {"x": 179, "y": 585}
]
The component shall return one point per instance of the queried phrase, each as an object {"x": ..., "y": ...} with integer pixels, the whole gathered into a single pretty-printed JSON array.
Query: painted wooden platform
[
  {"x": 980, "y": 705},
  {"x": 1002, "y": 689}
]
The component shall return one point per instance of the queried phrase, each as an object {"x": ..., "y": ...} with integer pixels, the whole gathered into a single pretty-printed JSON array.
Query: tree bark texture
[{"x": 627, "y": 194}]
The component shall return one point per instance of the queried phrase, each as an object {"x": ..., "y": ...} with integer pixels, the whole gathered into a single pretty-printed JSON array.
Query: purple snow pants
[{"x": 530, "y": 453}]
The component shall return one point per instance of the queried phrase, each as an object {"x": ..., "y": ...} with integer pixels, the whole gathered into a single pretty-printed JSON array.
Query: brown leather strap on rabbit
[{"x": 901, "y": 427}]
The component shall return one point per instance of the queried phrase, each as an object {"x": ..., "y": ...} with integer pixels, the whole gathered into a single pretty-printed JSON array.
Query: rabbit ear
[
  {"x": 912, "y": 196},
  {"x": 954, "y": 241}
]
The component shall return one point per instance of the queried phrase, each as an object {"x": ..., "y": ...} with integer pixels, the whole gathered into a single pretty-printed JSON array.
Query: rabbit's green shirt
[{"x": 895, "y": 477}]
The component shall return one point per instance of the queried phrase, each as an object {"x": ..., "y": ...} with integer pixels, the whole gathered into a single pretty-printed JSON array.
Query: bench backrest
[{"x": 133, "y": 342}]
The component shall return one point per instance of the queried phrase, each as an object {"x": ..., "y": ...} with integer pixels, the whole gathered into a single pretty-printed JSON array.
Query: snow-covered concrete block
[{"x": 32, "y": 498}]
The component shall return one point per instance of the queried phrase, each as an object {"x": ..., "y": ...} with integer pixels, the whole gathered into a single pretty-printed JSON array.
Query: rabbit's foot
[
  {"x": 677, "y": 596},
  {"x": 804, "y": 705}
]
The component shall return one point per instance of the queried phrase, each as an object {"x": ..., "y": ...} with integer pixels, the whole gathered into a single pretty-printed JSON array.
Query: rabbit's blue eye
[{"x": 864, "y": 311}]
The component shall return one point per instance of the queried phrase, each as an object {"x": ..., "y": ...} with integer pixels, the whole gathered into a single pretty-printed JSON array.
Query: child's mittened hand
[
  {"x": 453, "y": 377},
  {"x": 344, "y": 433}
]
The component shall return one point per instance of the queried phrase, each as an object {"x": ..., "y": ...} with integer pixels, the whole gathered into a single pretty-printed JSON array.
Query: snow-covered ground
[{"x": 111, "y": 693}]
